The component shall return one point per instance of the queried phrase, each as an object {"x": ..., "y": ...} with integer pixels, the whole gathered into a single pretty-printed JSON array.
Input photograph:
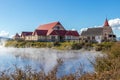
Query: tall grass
[
  {"x": 109, "y": 67},
  {"x": 29, "y": 74}
]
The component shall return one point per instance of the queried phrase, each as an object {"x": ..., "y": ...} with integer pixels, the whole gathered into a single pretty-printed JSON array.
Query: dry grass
[
  {"x": 29, "y": 74},
  {"x": 108, "y": 68}
]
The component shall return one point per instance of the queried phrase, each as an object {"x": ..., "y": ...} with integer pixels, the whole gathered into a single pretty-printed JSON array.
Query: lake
[{"x": 46, "y": 59}]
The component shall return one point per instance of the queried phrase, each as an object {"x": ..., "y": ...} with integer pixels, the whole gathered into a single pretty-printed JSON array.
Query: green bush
[
  {"x": 105, "y": 46},
  {"x": 76, "y": 46},
  {"x": 56, "y": 43},
  {"x": 99, "y": 47},
  {"x": 87, "y": 46}
]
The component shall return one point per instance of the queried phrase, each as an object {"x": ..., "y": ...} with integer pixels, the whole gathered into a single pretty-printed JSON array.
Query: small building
[
  {"x": 39, "y": 35},
  {"x": 16, "y": 37},
  {"x": 99, "y": 34},
  {"x": 26, "y": 36}
]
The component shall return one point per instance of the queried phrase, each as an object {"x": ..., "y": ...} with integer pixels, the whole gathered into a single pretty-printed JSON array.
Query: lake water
[{"x": 46, "y": 59}]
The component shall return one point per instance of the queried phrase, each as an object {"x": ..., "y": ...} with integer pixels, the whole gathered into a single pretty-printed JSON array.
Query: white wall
[{"x": 98, "y": 39}]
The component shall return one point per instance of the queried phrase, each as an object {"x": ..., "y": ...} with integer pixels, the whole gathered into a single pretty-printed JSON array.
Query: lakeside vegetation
[
  {"x": 106, "y": 68},
  {"x": 55, "y": 45},
  {"x": 60, "y": 45}
]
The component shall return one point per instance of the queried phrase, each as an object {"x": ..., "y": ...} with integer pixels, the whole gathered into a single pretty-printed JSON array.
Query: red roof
[
  {"x": 68, "y": 33},
  {"x": 60, "y": 32},
  {"x": 55, "y": 32},
  {"x": 26, "y": 33},
  {"x": 75, "y": 33},
  {"x": 106, "y": 23},
  {"x": 52, "y": 32},
  {"x": 40, "y": 32},
  {"x": 72, "y": 33},
  {"x": 48, "y": 26}
]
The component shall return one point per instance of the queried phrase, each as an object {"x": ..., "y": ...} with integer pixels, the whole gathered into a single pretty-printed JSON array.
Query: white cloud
[
  {"x": 73, "y": 29},
  {"x": 11, "y": 36},
  {"x": 115, "y": 23},
  {"x": 83, "y": 29},
  {"x": 4, "y": 34},
  {"x": 119, "y": 28}
]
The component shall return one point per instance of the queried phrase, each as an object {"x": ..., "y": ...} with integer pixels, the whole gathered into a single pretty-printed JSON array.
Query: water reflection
[{"x": 46, "y": 59}]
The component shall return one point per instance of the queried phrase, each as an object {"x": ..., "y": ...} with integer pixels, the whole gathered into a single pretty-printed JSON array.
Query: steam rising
[{"x": 46, "y": 59}]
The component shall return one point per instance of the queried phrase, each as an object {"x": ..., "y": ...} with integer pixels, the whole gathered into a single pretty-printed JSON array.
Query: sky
[{"x": 26, "y": 15}]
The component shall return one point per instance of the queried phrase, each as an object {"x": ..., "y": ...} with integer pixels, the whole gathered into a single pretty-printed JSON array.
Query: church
[{"x": 99, "y": 34}]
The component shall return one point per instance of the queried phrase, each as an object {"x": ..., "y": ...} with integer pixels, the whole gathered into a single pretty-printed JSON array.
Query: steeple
[{"x": 106, "y": 23}]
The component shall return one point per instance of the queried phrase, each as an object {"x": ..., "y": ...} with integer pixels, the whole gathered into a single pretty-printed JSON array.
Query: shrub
[
  {"x": 109, "y": 66},
  {"x": 105, "y": 46},
  {"x": 98, "y": 47},
  {"x": 76, "y": 46},
  {"x": 56, "y": 43}
]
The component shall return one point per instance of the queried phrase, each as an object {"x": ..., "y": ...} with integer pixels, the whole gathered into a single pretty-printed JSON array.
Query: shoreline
[{"x": 52, "y": 45}]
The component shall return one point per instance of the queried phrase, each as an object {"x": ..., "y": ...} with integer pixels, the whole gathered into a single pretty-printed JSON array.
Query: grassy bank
[
  {"x": 61, "y": 45},
  {"x": 56, "y": 45}
]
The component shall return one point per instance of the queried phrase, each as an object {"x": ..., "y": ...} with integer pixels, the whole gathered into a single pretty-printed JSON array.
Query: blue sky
[{"x": 26, "y": 15}]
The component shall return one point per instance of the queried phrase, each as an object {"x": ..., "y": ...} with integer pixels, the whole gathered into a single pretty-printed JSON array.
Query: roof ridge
[
  {"x": 50, "y": 23},
  {"x": 47, "y": 26},
  {"x": 95, "y": 27}
]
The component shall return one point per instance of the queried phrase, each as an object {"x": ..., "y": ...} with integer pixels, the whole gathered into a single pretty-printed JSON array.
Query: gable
[
  {"x": 58, "y": 27},
  {"x": 40, "y": 32},
  {"x": 17, "y": 35},
  {"x": 52, "y": 32},
  {"x": 107, "y": 30},
  {"x": 53, "y": 25}
]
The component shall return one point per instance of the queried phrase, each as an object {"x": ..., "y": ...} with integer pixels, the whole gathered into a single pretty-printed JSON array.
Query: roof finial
[{"x": 106, "y": 22}]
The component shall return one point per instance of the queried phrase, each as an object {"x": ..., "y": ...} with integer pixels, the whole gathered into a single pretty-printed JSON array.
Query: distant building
[
  {"x": 99, "y": 34},
  {"x": 16, "y": 37},
  {"x": 50, "y": 32},
  {"x": 26, "y": 35}
]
